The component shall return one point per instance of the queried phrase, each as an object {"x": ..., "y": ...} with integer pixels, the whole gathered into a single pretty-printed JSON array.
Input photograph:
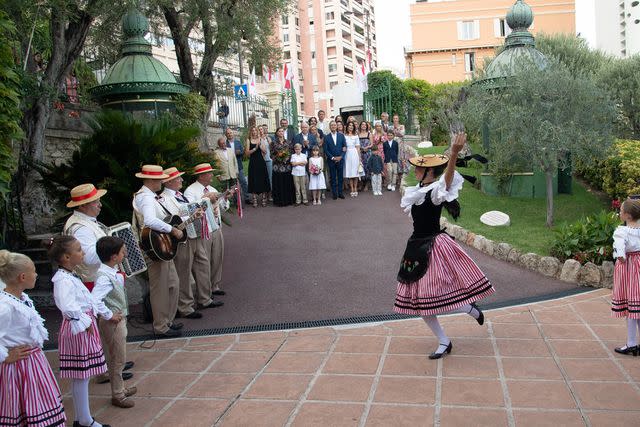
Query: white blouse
[
  {"x": 625, "y": 240},
  {"x": 415, "y": 195},
  {"x": 74, "y": 300},
  {"x": 20, "y": 324}
]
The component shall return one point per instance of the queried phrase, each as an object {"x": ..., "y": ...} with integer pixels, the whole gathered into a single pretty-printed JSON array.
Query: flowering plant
[
  {"x": 283, "y": 155},
  {"x": 314, "y": 169}
]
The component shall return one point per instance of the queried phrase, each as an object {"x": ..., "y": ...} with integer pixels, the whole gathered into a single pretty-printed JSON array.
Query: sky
[
  {"x": 393, "y": 30},
  {"x": 393, "y": 33}
]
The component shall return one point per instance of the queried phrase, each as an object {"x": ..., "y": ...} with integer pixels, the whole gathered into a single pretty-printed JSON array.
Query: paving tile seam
[
  {"x": 376, "y": 381},
  {"x": 563, "y": 371},
  {"x": 303, "y": 398},
  {"x": 437, "y": 412},
  {"x": 612, "y": 357},
  {"x": 188, "y": 386},
  {"x": 253, "y": 380},
  {"x": 503, "y": 383}
]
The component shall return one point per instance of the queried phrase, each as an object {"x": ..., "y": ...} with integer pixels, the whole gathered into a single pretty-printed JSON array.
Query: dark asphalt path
[{"x": 325, "y": 262}]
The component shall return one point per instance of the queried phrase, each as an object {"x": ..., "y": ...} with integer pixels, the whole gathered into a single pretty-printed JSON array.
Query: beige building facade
[
  {"x": 325, "y": 41},
  {"x": 451, "y": 38}
]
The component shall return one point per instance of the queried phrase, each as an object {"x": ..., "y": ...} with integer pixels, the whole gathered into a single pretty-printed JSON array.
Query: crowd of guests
[{"x": 326, "y": 155}]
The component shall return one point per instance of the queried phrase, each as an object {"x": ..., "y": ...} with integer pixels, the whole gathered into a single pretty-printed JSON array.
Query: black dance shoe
[
  {"x": 128, "y": 365},
  {"x": 438, "y": 355},
  {"x": 77, "y": 424},
  {"x": 627, "y": 350},
  {"x": 480, "y": 318}
]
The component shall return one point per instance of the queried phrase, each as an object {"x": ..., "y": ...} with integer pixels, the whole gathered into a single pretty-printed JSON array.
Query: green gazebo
[
  {"x": 138, "y": 82},
  {"x": 519, "y": 49}
]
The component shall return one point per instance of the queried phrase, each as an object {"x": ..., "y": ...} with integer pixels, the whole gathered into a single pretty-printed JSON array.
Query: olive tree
[{"x": 543, "y": 117}]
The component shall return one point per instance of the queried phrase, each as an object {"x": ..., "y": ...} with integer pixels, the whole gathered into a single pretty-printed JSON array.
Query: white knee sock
[
  {"x": 80, "y": 394},
  {"x": 632, "y": 328},
  {"x": 467, "y": 309},
  {"x": 434, "y": 325}
]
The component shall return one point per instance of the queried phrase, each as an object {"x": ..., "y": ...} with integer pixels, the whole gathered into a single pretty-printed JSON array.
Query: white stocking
[
  {"x": 80, "y": 394},
  {"x": 467, "y": 309},
  {"x": 632, "y": 326},
  {"x": 434, "y": 325}
]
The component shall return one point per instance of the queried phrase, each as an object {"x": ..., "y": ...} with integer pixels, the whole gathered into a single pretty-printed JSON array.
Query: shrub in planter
[{"x": 587, "y": 240}]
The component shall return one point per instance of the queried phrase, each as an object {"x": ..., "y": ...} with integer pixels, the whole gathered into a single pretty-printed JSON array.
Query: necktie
[{"x": 206, "y": 190}]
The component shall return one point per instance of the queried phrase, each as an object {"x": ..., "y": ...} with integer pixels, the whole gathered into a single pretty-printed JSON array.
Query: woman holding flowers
[{"x": 283, "y": 191}]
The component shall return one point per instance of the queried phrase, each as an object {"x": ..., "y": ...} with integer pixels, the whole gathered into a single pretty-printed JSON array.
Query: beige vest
[{"x": 86, "y": 272}]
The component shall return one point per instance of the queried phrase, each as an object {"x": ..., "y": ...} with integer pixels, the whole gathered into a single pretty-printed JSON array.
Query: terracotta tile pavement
[{"x": 545, "y": 364}]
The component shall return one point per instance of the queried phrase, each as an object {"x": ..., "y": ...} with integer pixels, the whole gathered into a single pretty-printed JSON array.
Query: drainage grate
[{"x": 344, "y": 320}]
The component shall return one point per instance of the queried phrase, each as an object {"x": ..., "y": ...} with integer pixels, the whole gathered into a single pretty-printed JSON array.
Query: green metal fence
[{"x": 378, "y": 100}]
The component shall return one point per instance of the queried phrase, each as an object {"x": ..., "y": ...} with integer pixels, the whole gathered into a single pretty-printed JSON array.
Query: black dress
[
  {"x": 283, "y": 190},
  {"x": 258, "y": 176}
]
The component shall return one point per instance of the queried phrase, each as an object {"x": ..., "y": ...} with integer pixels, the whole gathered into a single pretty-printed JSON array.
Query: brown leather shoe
[
  {"x": 123, "y": 403},
  {"x": 130, "y": 391}
]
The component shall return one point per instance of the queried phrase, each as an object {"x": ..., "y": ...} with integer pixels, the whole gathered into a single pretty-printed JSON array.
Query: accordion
[
  {"x": 134, "y": 262},
  {"x": 195, "y": 229}
]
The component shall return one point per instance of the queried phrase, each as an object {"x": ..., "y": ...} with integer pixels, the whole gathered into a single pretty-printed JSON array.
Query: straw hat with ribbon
[
  {"x": 173, "y": 173},
  {"x": 429, "y": 160},
  {"x": 202, "y": 168},
  {"x": 152, "y": 172},
  {"x": 83, "y": 194}
]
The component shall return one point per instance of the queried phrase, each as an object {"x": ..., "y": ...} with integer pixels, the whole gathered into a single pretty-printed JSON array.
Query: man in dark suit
[
  {"x": 288, "y": 131},
  {"x": 334, "y": 147},
  {"x": 390, "y": 148},
  {"x": 305, "y": 139}
]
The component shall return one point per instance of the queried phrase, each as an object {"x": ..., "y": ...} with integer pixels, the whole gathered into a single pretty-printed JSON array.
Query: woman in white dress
[{"x": 352, "y": 158}]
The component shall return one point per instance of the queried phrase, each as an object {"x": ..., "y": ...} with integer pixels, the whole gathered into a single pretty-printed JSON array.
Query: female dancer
[
  {"x": 436, "y": 276},
  {"x": 29, "y": 393}
]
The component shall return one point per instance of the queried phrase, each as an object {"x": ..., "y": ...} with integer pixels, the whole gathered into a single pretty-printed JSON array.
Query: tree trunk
[
  {"x": 68, "y": 38},
  {"x": 549, "y": 181},
  {"x": 180, "y": 36}
]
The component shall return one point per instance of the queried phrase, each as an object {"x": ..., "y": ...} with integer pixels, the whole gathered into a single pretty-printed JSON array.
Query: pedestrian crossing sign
[{"x": 240, "y": 92}]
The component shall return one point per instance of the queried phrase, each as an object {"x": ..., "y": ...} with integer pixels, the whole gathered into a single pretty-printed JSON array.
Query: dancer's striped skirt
[
  {"x": 29, "y": 393},
  {"x": 451, "y": 281},
  {"x": 81, "y": 355},
  {"x": 625, "y": 299}
]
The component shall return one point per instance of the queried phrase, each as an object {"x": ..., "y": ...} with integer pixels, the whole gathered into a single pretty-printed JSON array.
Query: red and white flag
[
  {"x": 287, "y": 76},
  {"x": 361, "y": 77},
  {"x": 252, "y": 83},
  {"x": 268, "y": 74}
]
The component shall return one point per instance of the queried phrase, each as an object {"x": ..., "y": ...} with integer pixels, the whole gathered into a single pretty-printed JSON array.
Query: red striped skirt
[
  {"x": 81, "y": 355},
  {"x": 451, "y": 281},
  {"x": 625, "y": 299},
  {"x": 29, "y": 393}
]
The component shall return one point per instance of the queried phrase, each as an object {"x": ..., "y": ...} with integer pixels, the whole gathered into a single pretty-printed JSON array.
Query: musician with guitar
[
  {"x": 148, "y": 215},
  {"x": 214, "y": 246},
  {"x": 190, "y": 256}
]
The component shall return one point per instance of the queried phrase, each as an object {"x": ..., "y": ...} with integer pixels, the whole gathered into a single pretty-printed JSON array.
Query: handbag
[{"x": 360, "y": 170}]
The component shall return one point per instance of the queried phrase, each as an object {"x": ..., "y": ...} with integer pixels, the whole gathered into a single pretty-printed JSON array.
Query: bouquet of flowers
[
  {"x": 283, "y": 155},
  {"x": 314, "y": 169}
]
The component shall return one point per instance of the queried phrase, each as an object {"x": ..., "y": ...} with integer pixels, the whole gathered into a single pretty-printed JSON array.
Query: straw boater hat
[
  {"x": 83, "y": 194},
  {"x": 151, "y": 172},
  {"x": 429, "y": 160},
  {"x": 173, "y": 173},
  {"x": 202, "y": 168}
]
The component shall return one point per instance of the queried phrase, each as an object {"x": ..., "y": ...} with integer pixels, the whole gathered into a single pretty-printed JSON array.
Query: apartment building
[
  {"x": 612, "y": 26},
  {"x": 451, "y": 38},
  {"x": 324, "y": 41}
]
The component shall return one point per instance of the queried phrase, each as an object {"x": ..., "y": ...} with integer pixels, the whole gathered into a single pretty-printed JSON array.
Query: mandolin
[{"x": 161, "y": 246}]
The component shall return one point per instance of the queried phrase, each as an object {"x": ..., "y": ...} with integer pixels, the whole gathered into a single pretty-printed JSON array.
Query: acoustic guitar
[{"x": 164, "y": 246}]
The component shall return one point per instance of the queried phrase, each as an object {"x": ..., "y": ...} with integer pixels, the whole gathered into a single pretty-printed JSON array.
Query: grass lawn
[{"x": 527, "y": 231}]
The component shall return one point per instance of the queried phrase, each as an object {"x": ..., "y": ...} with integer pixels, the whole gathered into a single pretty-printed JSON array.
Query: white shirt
[
  {"x": 103, "y": 285},
  {"x": 298, "y": 170},
  {"x": 74, "y": 300},
  {"x": 324, "y": 125},
  {"x": 20, "y": 324},
  {"x": 145, "y": 202},
  {"x": 225, "y": 152},
  {"x": 625, "y": 240},
  {"x": 88, "y": 240},
  {"x": 173, "y": 205},
  {"x": 415, "y": 195}
]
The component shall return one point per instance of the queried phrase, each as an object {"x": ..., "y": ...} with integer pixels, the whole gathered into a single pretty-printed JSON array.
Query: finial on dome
[
  {"x": 134, "y": 24},
  {"x": 520, "y": 16}
]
